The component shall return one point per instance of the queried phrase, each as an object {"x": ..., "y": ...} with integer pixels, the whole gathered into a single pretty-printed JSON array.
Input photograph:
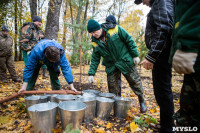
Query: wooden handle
[{"x": 41, "y": 92}]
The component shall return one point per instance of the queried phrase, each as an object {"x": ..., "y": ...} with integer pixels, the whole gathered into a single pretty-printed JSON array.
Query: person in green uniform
[{"x": 120, "y": 55}]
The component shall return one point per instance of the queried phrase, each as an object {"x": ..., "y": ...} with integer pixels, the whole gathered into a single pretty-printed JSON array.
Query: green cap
[{"x": 93, "y": 25}]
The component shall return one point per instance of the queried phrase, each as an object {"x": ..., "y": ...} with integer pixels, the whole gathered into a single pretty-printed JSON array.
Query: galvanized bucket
[
  {"x": 51, "y": 97},
  {"x": 91, "y": 91},
  {"x": 91, "y": 108},
  {"x": 86, "y": 95},
  {"x": 107, "y": 95},
  {"x": 71, "y": 112},
  {"x": 31, "y": 100},
  {"x": 104, "y": 107},
  {"x": 121, "y": 107},
  {"x": 65, "y": 98},
  {"x": 43, "y": 117}
]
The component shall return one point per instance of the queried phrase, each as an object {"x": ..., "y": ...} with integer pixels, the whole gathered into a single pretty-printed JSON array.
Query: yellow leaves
[
  {"x": 99, "y": 130},
  {"x": 58, "y": 130},
  {"x": 23, "y": 123},
  {"x": 4, "y": 119},
  {"x": 28, "y": 126},
  {"x": 109, "y": 125},
  {"x": 133, "y": 126}
]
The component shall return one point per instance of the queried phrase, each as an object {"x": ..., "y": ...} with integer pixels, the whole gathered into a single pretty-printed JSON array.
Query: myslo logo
[{"x": 186, "y": 129}]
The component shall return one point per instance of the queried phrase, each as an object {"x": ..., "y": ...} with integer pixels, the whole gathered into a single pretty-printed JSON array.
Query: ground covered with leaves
[{"x": 13, "y": 115}]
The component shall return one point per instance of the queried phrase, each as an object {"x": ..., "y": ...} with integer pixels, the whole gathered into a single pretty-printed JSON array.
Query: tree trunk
[
  {"x": 52, "y": 26},
  {"x": 15, "y": 39},
  {"x": 71, "y": 12},
  {"x": 20, "y": 23},
  {"x": 33, "y": 8},
  {"x": 93, "y": 9},
  {"x": 65, "y": 26}
]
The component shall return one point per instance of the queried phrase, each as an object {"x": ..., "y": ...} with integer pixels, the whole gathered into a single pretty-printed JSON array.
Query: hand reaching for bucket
[
  {"x": 24, "y": 86},
  {"x": 72, "y": 88}
]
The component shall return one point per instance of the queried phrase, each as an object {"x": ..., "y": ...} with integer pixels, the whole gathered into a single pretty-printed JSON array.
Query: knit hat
[
  {"x": 4, "y": 28},
  {"x": 93, "y": 25},
  {"x": 111, "y": 19},
  {"x": 37, "y": 18},
  {"x": 52, "y": 54},
  {"x": 137, "y": 2}
]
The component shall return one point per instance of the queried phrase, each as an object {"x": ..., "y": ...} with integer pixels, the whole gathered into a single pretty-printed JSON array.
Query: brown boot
[{"x": 45, "y": 73}]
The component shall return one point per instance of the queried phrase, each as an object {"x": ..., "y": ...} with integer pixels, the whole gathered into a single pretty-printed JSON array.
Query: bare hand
[
  {"x": 147, "y": 64},
  {"x": 72, "y": 88},
  {"x": 24, "y": 86}
]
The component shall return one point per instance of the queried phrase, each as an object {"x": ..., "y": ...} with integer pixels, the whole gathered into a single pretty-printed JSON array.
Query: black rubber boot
[{"x": 143, "y": 107}]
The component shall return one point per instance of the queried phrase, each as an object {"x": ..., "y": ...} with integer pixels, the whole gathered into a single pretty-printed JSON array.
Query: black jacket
[{"x": 158, "y": 33}]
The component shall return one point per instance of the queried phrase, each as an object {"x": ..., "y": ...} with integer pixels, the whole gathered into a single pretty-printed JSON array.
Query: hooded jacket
[{"x": 117, "y": 52}]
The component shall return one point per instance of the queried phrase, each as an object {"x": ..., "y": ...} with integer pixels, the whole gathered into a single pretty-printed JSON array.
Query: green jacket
[
  {"x": 118, "y": 53},
  {"x": 6, "y": 44},
  {"x": 186, "y": 35},
  {"x": 29, "y": 36}
]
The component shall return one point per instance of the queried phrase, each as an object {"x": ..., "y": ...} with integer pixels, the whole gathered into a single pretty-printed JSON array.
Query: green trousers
[
  {"x": 25, "y": 57},
  {"x": 55, "y": 83},
  {"x": 133, "y": 78}
]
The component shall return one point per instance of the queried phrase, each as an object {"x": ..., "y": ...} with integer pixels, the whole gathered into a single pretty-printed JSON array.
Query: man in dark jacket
[
  {"x": 185, "y": 55},
  {"x": 158, "y": 35},
  {"x": 120, "y": 55},
  {"x": 52, "y": 54},
  {"x": 6, "y": 56},
  {"x": 30, "y": 35}
]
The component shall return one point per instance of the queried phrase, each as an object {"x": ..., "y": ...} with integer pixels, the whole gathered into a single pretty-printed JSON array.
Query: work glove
[
  {"x": 91, "y": 79},
  {"x": 136, "y": 60},
  {"x": 183, "y": 62}
]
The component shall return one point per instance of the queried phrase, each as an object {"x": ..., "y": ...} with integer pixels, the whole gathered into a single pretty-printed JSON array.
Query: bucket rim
[
  {"x": 36, "y": 98},
  {"x": 105, "y": 95},
  {"x": 54, "y": 107},
  {"x": 105, "y": 98},
  {"x": 59, "y": 105},
  {"x": 86, "y": 99},
  {"x": 62, "y": 97},
  {"x": 118, "y": 98}
]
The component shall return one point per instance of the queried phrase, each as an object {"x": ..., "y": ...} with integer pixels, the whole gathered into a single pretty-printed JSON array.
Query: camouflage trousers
[
  {"x": 133, "y": 78},
  {"x": 189, "y": 112},
  {"x": 7, "y": 63}
]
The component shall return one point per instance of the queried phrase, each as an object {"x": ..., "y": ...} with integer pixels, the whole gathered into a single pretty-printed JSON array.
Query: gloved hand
[
  {"x": 183, "y": 62},
  {"x": 91, "y": 79},
  {"x": 136, "y": 60}
]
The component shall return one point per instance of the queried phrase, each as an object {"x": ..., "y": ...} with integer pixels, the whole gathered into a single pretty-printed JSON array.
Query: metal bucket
[
  {"x": 91, "y": 108},
  {"x": 86, "y": 95},
  {"x": 31, "y": 100},
  {"x": 71, "y": 112},
  {"x": 104, "y": 107},
  {"x": 91, "y": 91},
  {"x": 65, "y": 98},
  {"x": 121, "y": 107},
  {"x": 43, "y": 117},
  {"x": 51, "y": 97},
  {"x": 107, "y": 95}
]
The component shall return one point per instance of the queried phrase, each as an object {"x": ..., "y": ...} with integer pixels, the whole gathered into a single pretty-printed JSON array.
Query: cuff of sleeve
[
  {"x": 151, "y": 59},
  {"x": 91, "y": 74},
  {"x": 25, "y": 80},
  {"x": 70, "y": 82}
]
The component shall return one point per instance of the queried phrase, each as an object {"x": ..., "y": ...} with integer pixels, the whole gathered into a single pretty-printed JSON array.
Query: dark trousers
[{"x": 162, "y": 74}]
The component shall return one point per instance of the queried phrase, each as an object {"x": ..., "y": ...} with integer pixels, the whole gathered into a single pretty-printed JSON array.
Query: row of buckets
[{"x": 74, "y": 110}]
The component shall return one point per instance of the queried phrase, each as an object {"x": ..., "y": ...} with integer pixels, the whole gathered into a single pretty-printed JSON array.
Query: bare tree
[
  {"x": 52, "y": 26},
  {"x": 33, "y": 8}
]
